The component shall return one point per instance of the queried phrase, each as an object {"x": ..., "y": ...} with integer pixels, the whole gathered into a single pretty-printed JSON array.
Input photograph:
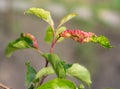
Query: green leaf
[
  {"x": 49, "y": 35},
  {"x": 102, "y": 40},
  {"x": 16, "y": 45},
  {"x": 81, "y": 86},
  {"x": 58, "y": 84},
  {"x": 46, "y": 56},
  {"x": 58, "y": 31},
  {"x": 67, "y": 66},
  {"x": 80, "y": 73},
  {"x": 30, "y": 74},
  {"x": 67, "y": 18},
  {"x": 31, "y": 86},
  {"x": 20, "y": 43},
  {"x": 41, "y": 13},
  {"x": 44, "y": 72},
  {"x": 56, "y": 64}
]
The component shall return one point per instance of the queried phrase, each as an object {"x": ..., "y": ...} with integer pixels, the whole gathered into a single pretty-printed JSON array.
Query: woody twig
[{"x": 3, "y": 86}]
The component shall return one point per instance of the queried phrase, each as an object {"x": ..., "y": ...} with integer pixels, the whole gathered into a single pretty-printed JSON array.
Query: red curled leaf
[
  {"x": 26, "y": 40},
  {"x": 33, "y": 42},
  {"x": 77, "y": 35}
]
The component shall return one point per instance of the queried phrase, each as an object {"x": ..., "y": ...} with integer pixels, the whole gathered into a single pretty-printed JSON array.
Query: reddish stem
[
  {"x": 43, "y": 78},
  {"x": 51, "y": 51},
  {"x": 53, "y": 44}
]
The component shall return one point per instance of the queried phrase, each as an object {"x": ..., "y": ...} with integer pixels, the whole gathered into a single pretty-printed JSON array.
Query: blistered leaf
[
  {"x": 58, "y": 31},
  {"x": 102, "y": 40},
  {"x": 56, "y": 64},
  {"x": 30, "y": 74},
  {"x": 80, "y": 73},
  {"x": 30, "y": 39},
  {"x": 58, "y": 84},
  {"x": 41, "y": 13},
  {"x": 77, "y": 35},
  {"x": 22, "y": 42},
  {"x": 67, "y": 18},
  {"x": 49, "y": 35},
  {"x": 44, "y": 72}
]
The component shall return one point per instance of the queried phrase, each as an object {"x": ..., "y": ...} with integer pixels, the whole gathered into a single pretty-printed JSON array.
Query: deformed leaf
[
  {"x": 30, "y": 74},
  {"x": 22, "y": 42},
  {"x": 80, "y": 73},
  {"x": 102, "y": 40},
  {"x": 49, "y": 35},
  {"x": 58, "y": 84},
  {"x": 67, "y": 18},
  {"x": 44, "y": 72},
  {"x": 77, "y": 35},
  {"x": 41, "y": 13}
]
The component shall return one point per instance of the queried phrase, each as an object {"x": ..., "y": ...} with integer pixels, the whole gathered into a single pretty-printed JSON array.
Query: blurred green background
[{"x": 99, "y": 16}]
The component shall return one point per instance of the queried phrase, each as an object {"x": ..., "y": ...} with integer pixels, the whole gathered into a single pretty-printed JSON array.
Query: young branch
[{"x": 3, "y": 86}]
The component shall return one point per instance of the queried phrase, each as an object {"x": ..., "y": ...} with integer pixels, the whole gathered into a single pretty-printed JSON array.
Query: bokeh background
[{"x": 99, "y": 16}]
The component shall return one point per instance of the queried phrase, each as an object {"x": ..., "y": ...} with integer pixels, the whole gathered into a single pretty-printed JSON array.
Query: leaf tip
[
  {"x": 8, "y": 52},
  {"x": 102, "y": 40}
]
